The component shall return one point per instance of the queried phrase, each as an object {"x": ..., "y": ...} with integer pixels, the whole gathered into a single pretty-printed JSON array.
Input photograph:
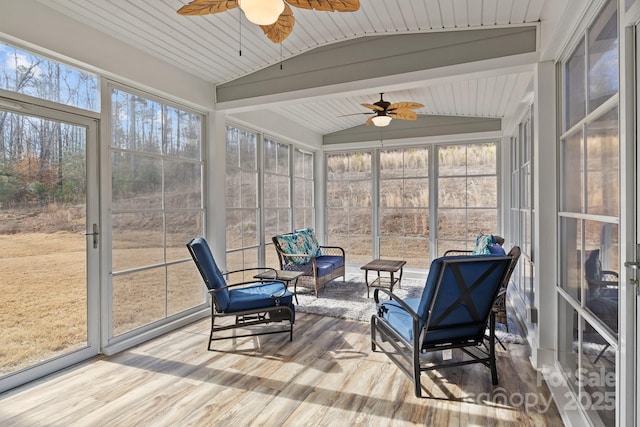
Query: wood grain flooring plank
[{"x": 327, "y": 376}]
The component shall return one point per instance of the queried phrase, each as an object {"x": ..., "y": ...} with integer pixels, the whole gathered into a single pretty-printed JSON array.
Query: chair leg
[
  {"x": 213, "y": 319},
  {"x": 291, "y": 327},
  {"x": 417, "y": 387},
  {"x": 373, "y": 333},
  {"x": 492, "y": 348}
]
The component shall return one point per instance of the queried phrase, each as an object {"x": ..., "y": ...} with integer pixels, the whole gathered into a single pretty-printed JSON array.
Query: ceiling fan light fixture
[
  {"x": 262, "y": 12},
  {"x": 381, "y": 120}
]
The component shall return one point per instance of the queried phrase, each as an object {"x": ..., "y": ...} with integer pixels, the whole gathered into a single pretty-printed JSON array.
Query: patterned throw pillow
[
  {"x": 312, "y": 247},
  {"x": 289, "y": 245},
  {"x": 483, "y": 241},
  {"x": 301, "y": 242}
]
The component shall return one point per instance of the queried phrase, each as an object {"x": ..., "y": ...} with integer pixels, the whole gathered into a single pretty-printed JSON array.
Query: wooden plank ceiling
[{"x": 209, "y": 47}]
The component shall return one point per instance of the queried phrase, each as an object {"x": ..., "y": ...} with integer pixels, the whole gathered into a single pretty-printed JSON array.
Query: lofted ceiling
[{"x": 224, "y": 47}]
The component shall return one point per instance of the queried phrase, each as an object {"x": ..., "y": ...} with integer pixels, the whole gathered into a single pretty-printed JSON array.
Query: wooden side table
[
  {"x": 284, "y": 276},
  {"x": 388, "y": 266}
]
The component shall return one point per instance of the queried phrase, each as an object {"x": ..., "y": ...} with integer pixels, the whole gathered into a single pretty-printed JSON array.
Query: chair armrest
[
  {"x": 263, "y": 269},
  {"x": 289, "y": 259},
  {"x": 500, "y": 297},
  {"x": 332, "y": 250},
  {"x": 233, "y": 276},
  {"x": 397, "y": 299},
  {"x": 603, "y": 283},
  {"x": 452, "y": 252},
  {"x": 249, "y": 282},
  {"x": 280, "y": 295}
]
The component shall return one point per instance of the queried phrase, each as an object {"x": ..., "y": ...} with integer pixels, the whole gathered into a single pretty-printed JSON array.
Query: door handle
[
  {"x": 632, "y": 265},
  {"x": 95, "y": 236}
]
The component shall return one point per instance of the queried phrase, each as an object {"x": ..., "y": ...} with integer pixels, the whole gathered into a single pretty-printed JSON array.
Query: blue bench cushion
[
  {"x": 326, "y": 264},
  {"x": 257, "y": 296}
]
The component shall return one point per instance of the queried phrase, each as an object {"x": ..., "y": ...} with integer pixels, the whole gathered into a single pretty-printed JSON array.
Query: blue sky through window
[{"x": 29, "y": 74}]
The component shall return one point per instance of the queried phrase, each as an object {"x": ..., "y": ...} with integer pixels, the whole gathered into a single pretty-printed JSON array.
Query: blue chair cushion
[
  {"x": 398, "y": 317},
  {"x": 209, "y": 268},
  {"x": 256, "y": 296},
  {"x": 402, "y": 322},
  {"x": 452, "y": 325}
]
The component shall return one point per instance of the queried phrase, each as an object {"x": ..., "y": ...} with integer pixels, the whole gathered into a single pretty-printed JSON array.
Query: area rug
[{"x": 348, "y": 300}]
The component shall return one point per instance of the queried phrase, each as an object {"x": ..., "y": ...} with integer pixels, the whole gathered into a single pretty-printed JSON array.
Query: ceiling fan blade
[
  {"x": 206, "y": 7},
  {"x": 403, "y": 114},
  {"x": 354, "y": 114},
  {"x": 280, "y": 30},
  {"x": 327, "y": 5},
  {"x": 373, "y": 107},
  {"x": 405, "y": 105},
  {"x": 369, "y": 121}
]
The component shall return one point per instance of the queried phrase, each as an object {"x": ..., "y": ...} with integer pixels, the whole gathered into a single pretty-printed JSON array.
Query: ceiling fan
[
  {"x": 384, "y": 111},
  {"x": 273, "y": 16}
]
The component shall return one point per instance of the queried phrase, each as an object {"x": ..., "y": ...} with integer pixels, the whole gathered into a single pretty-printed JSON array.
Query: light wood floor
[{"x": 327, "y": 376}]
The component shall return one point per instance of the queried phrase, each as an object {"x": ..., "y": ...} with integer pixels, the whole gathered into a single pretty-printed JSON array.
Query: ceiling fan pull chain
[
  {"x": 240, "y": 31},
  {"x": 281, "y": 55}
]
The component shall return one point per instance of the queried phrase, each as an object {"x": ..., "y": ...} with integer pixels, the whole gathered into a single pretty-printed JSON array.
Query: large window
[
  {"x": 404, "y": 205},
  {"x": 467, "y": 194},
  {"x": 262, "y": 174},
  {"x": 242, "y": 198},
  {"x": 277, "y": 190},
  {"x": 385, "y": 203},
  {"x": 156, "y": 207},
  {"x": 304, "y": 194},
  {"x": 349, "y": 204},
  {"x": 522, "y": 208},
  {"x": 589, "y": 214},
  {"x": 34, "y": 75}
]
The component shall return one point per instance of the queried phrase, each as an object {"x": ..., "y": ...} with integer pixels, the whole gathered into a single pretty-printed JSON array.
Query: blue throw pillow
[{"x": 496, "y": 249}]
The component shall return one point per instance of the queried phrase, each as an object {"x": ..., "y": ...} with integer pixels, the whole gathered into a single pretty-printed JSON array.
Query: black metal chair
[
  {"x": 500, "y": 305},
  {"x": 452, "y": 313},
  {"x": 602, "y": 297},
  {"x": 250, "y": 303}
]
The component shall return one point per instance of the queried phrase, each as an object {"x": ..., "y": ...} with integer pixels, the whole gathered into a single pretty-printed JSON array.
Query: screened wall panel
[{"x": 156, "y": 207}]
